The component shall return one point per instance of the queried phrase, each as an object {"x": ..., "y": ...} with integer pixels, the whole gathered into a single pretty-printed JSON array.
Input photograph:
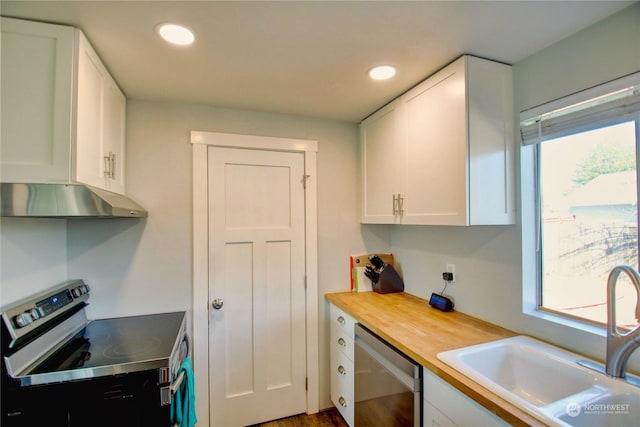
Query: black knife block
[{"x": 389, "y": 281}]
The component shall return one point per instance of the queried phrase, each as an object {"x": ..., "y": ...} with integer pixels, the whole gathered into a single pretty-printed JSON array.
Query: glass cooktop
[{"x": 114, "y": 346}]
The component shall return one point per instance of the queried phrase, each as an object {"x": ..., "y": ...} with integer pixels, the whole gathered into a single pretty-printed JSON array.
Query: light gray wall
[
  {"x": 145, "y": 266},
  {"x": 33, "y": 256},
  {"x": 488, "y": 259}
]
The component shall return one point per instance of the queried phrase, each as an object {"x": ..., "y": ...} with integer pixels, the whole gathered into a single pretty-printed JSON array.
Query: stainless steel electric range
[{"x": 61, "y": 369}]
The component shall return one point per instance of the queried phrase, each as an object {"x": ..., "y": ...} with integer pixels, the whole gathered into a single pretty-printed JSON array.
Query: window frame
[
  {"x": 531, "y": 215},
  {"x": 540, "y": 219}
]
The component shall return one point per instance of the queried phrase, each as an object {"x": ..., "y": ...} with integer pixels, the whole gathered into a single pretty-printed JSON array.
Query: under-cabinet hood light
[
  {"x": 382, "y": 72},
  {"x": 176, "y": 34}
]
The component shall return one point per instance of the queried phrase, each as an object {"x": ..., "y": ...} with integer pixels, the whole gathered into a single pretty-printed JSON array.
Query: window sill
[{"x": 557, "y": 320}]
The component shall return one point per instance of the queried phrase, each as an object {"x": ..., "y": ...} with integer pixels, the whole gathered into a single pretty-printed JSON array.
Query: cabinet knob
[
  {"x": 342, "y": 402},
  {"x": 341, "y": 320},
  {"x": 217, "y": 303},
  {"x": 342, "y": 370},
  {"x": 342, "y": 342}
]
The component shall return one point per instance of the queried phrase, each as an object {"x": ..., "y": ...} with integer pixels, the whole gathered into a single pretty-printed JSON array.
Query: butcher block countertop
[{"x": 421, "y": 332}]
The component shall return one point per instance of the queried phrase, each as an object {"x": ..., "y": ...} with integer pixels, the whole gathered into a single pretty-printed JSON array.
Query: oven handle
[{"x": 177, "y": 383}]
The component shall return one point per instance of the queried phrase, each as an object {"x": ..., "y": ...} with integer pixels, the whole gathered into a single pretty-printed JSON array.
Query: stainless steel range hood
[{"x": 65, "y": 201}]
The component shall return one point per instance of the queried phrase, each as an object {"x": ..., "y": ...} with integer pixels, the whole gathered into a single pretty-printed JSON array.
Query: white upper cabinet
[
  {"x": 100, "y": 123},
  {"x": 442, "y": 153},
  {"x": 37, "y": 87},
  {"x": 63, "y": 116},
  {"x": 383, "y": 154}
]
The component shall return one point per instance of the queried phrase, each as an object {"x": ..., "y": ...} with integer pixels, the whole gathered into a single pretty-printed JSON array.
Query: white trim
[
  {"x": 200, "y": 354},
  {"x": 529, "y": 230},
  {"x": 253, "y": 141},
  {"x": 200, "y": 141}
]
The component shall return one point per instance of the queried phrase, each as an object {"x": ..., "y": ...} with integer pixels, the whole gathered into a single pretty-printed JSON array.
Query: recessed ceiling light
[
  {"x": 383, "y": 72},
  {"x": 176, "y": 34}
]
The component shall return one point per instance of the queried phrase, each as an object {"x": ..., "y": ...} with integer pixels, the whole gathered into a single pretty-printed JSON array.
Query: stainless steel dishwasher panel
[{"x": 388, "y": 384}]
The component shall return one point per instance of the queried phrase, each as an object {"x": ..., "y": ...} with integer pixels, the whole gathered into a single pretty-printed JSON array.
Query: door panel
[
  {"x": 257, "y": 339},
  {"x": 239, "y": 354}
]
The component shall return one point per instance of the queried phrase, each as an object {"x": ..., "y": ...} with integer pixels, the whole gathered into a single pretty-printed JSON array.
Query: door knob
[{"x": 217, "y": 303}]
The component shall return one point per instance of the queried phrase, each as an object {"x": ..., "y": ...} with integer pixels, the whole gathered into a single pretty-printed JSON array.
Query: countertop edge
[{"x": 485, "y": 398}]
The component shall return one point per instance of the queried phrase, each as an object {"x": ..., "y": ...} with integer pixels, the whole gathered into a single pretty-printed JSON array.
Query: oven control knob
[
  {"x": 36, "y": 313},
  {"x": 23, "y": 319},
  {"x": 79, "y": 291}
]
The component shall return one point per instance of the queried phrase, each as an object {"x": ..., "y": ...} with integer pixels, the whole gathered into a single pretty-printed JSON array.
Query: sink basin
[
  {"x": 547, "y": 382},
  {"x": 599, "y": 408}
]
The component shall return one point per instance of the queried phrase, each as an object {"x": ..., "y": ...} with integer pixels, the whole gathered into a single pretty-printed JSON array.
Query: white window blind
[{"x": 608, "y": 104}]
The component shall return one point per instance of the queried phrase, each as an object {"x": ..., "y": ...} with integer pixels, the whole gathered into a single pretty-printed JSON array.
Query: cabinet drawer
[
  {"x": 342, "y": 342},
  {"x": 342, "y": 370},
  {"x": 342, "y": 384},
  {"x": 341, "y": 321}
]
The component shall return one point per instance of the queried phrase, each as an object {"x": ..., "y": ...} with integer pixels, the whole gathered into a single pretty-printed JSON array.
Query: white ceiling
[{"x": 305, "y": 58}]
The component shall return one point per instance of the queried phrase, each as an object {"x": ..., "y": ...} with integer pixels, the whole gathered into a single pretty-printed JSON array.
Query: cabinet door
[
  {"x": 447, "y": 406},
  {"x": 491, "y": 173},
  {"x": 37, "y": 89},
  {"x": 88, "y": 159},
  {"x": 114, "y": 111},
  {"x": 383, "y": 155},
  {"x": 435, "y": 418},
  {"x": 436, "y": 172},
  {"x": 99, "y": 159}
]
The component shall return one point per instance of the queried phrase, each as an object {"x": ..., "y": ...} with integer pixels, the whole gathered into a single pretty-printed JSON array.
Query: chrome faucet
[{"x": 620, "y": 346}]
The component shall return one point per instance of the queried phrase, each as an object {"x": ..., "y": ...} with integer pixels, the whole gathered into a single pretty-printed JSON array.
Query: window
[{"x": 586, "y": 199}]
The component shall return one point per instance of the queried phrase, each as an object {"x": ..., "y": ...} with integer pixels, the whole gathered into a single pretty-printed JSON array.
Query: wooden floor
[{"x": 326, "y": 418}]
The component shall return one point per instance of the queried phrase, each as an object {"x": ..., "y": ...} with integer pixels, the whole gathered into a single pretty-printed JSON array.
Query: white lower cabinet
[
  {"x": 342, "y": 366},
  {"x": 444, "y": 406}
]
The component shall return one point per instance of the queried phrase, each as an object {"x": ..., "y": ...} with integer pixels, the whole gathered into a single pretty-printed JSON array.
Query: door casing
[{"x": 201, "y": 300}]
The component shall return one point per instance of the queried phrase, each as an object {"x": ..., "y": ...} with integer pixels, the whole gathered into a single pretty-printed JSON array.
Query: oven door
[
  {"x": 128, "y": 400},
  {"x": 388, "y": 385}
]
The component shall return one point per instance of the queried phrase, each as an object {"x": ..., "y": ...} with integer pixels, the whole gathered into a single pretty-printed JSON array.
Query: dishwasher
[{"x": 388, "y": 384}]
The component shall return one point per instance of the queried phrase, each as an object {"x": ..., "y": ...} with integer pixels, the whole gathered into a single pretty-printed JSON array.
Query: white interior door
[{"x": 257, "y": 271}]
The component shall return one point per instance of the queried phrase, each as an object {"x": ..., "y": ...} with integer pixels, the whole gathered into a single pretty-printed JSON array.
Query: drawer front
[
  {"x": 343, "y": 343},
  {"x": 341, "y": 321},
  {"x": 342, "y": 331},
  {"x": 342, "y": 384}
]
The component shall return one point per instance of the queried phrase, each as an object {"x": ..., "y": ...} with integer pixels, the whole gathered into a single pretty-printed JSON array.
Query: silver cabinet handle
[
  {"x": 342, "y": 402},
  {"x": 342, "y": 370},
  {"x": 217, "y": 303},
  {"x": 341, "y": 320},
  {"x": 400, "y": 204},
  {"x": 112, "y": 158},
  {"x": 107, "y": 166},
  {"x": 395, "y": 205},
  {"x": 342, "y": 342},
  {"x": 110, "y": 165}
]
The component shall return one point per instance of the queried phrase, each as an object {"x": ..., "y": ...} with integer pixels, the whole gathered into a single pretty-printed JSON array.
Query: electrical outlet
[{"x": 451, "y": 268}]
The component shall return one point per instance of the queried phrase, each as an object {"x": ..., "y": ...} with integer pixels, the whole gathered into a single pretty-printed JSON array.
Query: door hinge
[
  {"x": 306, "y": 383},
  {"x": 304, "y": 180},
  {"x": 305, "y": 282}
]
